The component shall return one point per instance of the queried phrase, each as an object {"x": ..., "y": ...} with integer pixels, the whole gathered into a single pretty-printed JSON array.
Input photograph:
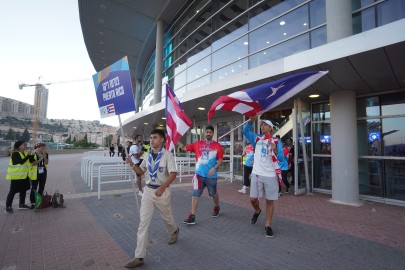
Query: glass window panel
[
  {"x": 180, "y": 51},
  {"x": 283, "y": 28},
  {"x": 225, "y": 141},
  {"x": 230, "y": 53},
  {"x": 198, "y": 83},
  {"x": 364, "y": 20},
  {"x": 390, "y": 11},
  {"x": 369, "y": 137},
  {"x": 285, "y": 49},
  {"x": 317, "y": 12},
  {"x": 199, "y": 52},
  {"x": 393, "y": 136},
  {"x": 370, "y": 177},
  {"x": 368, "y": 106},
  {"x": 321, "y": 138},
  {"x": 321, "y": 112},
  {"x": 318, "y": 37},
  {"x": 269, "y": 10},
  {"x": 393, "y": 104},
  {"x": 323, "y": 172},
  {"x": 180, "y": 80},
  {"x": 198, "y": 70},
  {"x": 395, "y": 179},
  {"x": 201, "y": 18},
  {"x": 357, "y": 4},
  {"x": 229, "y": 33},
  {"x": 232, "y": 69},
  {"x": 229, "y": 13}
]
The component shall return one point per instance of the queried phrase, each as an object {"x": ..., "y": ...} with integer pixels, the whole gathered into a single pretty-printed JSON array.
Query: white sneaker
[
  {"x": 140, "y": 193},
  {"x": 242, "y": 190}
]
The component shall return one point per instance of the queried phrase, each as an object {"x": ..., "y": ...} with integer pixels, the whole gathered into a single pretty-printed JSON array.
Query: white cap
[{"x": 268, "y": 122}]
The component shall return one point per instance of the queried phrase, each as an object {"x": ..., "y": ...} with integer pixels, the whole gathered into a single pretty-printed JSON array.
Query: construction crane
[{"x": 38, "y": 86}]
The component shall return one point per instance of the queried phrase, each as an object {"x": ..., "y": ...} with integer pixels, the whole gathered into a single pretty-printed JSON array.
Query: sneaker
[
  {"x": 215, "y": 211},
  {"x": 32, "y": 206},
  {"x": 140, "y": 193},
  {"x": 269, "y": 231},
  {"x": 255, "y": 217},
  {"x": 173, "y": 237},
  {"x": 23, "y": 207},
  {"x": 134, "y": 263},
  {"x": 242, "y": 190},
  {"x": 190, "y": 220},
  {"x": 9, "y": 210},
  {"x": 287, "y": 190},
  {"x": 279, "y": 194}
]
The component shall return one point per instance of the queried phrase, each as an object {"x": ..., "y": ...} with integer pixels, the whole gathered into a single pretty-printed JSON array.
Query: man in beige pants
[{"x": 159, "y": 169}]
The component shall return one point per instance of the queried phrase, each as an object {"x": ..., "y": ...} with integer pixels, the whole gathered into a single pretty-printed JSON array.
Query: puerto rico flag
[
  {"x": 266, "y": 96},
  {"x": 177, "y": 121}
]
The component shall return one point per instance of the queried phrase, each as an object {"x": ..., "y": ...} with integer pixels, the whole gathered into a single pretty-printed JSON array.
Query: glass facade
[
  {"x": 369, "y": 14},
  {"x": 212, "y": 40}
]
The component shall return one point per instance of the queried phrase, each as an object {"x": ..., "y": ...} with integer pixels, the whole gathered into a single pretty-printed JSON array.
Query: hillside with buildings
[{"x": 18, "y": 116}]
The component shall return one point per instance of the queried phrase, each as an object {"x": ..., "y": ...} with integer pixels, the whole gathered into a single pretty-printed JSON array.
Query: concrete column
[
  {"x": 345, "y": 176},
  {"x": 338, "y": 19},
  {"x": 157, "y": 96}
]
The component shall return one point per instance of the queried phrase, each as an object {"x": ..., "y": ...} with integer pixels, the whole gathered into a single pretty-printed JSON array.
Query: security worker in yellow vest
[
  {"x": 17, "y": 173},
  {"x": 38, "y": 173}
]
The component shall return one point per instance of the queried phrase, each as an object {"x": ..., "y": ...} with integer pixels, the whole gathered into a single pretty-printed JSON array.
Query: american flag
[
  {"x": 177, "y": 122},
  {"x": 263, "y": 97}
]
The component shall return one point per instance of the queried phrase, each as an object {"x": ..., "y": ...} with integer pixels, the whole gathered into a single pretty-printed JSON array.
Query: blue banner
[{"x": 114, "y": 89}]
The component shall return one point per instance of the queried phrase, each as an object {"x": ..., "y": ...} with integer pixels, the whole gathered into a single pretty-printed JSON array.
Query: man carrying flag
[
  {"x": 177, "y": 121},
  {"x": 266, "y": 173}
]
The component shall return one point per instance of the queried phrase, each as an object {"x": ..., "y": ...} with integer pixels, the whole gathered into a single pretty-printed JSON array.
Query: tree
[
  {"x": 10, "y": 134},
  {"x": 25, "y": 135}
]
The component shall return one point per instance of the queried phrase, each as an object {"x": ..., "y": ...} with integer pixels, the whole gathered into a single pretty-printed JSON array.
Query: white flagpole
[{"x": 232, "y": 130}]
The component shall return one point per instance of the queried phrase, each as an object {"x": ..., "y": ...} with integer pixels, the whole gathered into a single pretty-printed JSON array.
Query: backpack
[{"x": 57, "y": 199}]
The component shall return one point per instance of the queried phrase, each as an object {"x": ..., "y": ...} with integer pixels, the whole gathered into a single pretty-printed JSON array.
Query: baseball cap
[
  {"x": 39, "y": 145},
  {"x": 268, "y": 122}
]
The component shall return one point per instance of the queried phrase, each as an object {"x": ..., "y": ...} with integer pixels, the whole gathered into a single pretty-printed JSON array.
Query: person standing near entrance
[
  {"x": 265, "y": 179},
  {"x": 40, "y": 172},
  {"x": 160, "y": 171},
  {"x": 135, "y": 152},
  {"x": 17, "y": 172},
  {"x": 283, "y": 158},
  {"x": 247, "y": 161},
  {"x": 209, "y": 155}
]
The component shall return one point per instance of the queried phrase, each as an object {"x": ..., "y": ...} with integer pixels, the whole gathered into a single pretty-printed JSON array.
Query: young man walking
[
  {"x": 266, "y": 171},
  {"x": 209, "y": 155},
  {"x": 159, "y": 169}
]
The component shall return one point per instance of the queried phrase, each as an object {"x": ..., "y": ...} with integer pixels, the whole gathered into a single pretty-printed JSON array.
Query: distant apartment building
[
  {"x": 41, "y": 100},
  {"x": 15, "y": 107}
]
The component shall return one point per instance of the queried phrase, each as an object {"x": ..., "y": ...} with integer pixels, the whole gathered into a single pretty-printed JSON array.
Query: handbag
[{"x": 42, "y": 201}]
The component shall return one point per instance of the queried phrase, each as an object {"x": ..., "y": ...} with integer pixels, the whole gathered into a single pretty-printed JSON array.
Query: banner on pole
[{"x": 114, "y": 89}]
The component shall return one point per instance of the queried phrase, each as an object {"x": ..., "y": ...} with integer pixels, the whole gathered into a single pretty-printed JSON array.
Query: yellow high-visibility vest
[
  {"x": 18, "y": 171},
  {"x": 33, "y": 173}
]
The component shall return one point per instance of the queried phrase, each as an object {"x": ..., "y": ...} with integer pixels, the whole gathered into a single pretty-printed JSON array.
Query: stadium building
[{"x": 350, "y": 124}]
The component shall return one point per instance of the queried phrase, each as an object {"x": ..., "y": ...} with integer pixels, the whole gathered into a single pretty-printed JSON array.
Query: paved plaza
[{"x": 309, "y": 231}]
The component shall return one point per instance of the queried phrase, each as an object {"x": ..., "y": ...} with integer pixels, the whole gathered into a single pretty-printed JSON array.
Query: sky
[{"x": 43, "y": 38}]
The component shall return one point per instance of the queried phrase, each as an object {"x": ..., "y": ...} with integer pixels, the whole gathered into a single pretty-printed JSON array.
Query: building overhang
[{"x": 366, "y": 63}]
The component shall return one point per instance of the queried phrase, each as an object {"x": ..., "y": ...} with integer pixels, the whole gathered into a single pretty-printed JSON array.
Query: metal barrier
[
  {"x": 185, "y": 166},
  {"x": 90, "y": 166},
  {"x": 115, "y": 171}
]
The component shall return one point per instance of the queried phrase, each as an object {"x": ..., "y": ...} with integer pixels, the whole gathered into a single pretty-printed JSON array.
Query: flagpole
[
  {"x": 195, "y": 128},
  {"x": 232, "y": 129}
]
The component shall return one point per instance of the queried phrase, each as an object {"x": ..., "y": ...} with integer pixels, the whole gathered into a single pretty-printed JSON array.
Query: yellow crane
[{"x": 38, "y": 86}]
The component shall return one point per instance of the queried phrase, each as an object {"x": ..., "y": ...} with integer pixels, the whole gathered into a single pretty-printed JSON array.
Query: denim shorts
[{"x": 202, "y": 182}]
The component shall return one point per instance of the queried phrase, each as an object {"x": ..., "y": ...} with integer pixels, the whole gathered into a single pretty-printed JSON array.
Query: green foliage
[{"x": 25, "y": 135}]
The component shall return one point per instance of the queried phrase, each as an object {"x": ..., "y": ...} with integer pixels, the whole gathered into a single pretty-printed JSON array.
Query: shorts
[
  {"x": 199, "y": 183},
  {"x": 139, "y": 164},
  {"x": 261, "y": 184}
]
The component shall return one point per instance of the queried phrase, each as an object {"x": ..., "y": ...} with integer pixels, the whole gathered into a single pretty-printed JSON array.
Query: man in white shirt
[
  {"x": 266, "y": 173},
  {"x": 135, "y": 152}
]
